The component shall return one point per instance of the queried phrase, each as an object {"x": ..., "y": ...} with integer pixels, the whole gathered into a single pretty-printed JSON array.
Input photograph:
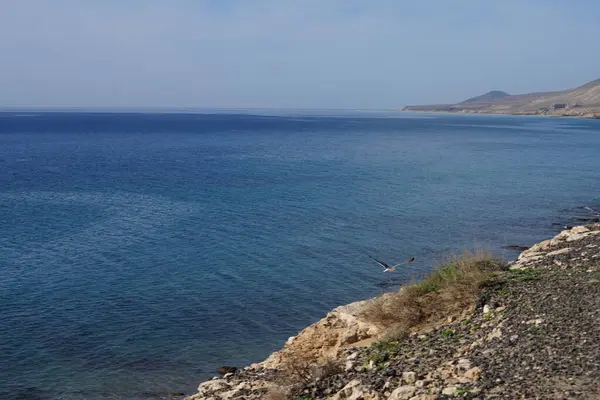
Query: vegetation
[
  {"x": 448, "y": 290},
  {"x": 301, "y": 368},
  {"x": 383, "y": 351}
]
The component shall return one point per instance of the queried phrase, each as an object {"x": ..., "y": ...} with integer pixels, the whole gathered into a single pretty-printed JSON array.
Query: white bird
[{"x": 387, "y": 268}]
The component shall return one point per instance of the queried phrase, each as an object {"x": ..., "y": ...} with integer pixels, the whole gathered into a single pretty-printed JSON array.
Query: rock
[
  {"x": 349, "y": 365},
  {"x": 559, "y": 251},
  {"x": 325, "y": 338},
  {"x": 536, "y": 321},
  {"x": 420, "y": 383},
  {"x": 450, "y": 390},
  {"x": 352, "y": 356},
  {"x": 500, "y": 309},
  {"x": 290, "y": 340},
  {"x": 212, "y": 386},
  {"x": 409, "y": 377},
  {"x": 403, "y": 393},
  {"x": 473, "y": 374},
  {"x": 579, "y": 230},
  {"x": 228, "y": 375},
  {"x": 226, "y": 370},
  {"x": 495, "y": 334},
  {"x": 515, "y": 247},
  {"x": 355, "y": 390},
  {"x": 487, "y": 309},
  {"x": 463, "y": 364},
  {"x": 513, "y": 338}
]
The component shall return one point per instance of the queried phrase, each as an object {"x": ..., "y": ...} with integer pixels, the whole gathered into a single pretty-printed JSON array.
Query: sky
[{"x": 350, "y": 54}]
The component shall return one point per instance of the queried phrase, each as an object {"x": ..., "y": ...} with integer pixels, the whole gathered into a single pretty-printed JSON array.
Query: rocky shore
[{"x": 533, "y": 331}]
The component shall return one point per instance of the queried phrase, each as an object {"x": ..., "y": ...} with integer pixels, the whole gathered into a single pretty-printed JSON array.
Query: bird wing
[
  {"x": 384, "y": 265},
  {"x": 403, "y": 263}
]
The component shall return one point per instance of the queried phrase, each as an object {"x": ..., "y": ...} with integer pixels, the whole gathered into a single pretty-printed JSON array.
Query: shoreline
[
  {"x": 344, "y": 337},
  {"x": 595, "y": 116}
]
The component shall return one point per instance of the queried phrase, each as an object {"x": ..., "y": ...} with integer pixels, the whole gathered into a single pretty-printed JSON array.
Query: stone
[
  {"x": 513, "y": 338},
  {"x": 495, "y": 334},
  {"x": 579, "y": 229},
  {"x": 560, "y": 251},
  {"x": 212, "y": 386},
  {"x": 500, "y": 309},
  {"x": 450, "y": 390},
  {"x": 403, "y": 393},
  {"x": 349, "y": 365},
  {"x": 244, "y": 386},
  {"x": 352, "y": 356},
  {"x": 464, "y": 364},
  {"x": 536, "y": 321},
  {"x": 473, "y": 374},
  {"x": 420, "y": 383},
  {"x": 226, "y": 370},
  {"x": 290, "y": 340},
  {"x": 355, "y": 390},
  {"x": 487, "y": 309},
  {"x": 409, "y": 377}
]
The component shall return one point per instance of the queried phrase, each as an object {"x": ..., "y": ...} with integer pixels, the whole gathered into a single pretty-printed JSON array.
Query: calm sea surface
[{"x": 139, "y": 252}]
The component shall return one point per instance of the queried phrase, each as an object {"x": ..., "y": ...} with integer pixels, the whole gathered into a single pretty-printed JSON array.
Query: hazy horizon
[{"x": 292, "y": 54}]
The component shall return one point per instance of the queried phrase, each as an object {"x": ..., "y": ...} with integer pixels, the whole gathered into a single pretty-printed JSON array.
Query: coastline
[
  {"x": 589, "y": 116},
  {"x": 569, "y": 261}
]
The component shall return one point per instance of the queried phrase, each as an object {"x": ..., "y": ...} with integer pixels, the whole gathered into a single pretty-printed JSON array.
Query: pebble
[
  {"x": 349, "y": 365},
  {"x": 473, "y": 374},
  {"x": 464, "y": 364},
  {"x": 536, "y": 321},
  {"x": 409, "y": 377},
  {"x": 403, "y": 393},
  {"x": 450, "y": 390}
]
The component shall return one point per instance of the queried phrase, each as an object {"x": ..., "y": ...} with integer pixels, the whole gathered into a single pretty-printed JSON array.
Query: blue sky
[{"x": 290, "y": 53}]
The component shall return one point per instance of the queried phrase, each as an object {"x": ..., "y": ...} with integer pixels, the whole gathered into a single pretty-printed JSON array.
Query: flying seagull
[{"x": 387, "y": 268}]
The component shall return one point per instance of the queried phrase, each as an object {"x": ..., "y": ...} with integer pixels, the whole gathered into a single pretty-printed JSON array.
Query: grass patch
[
  {"x": 448, "y": 333},
  {"x": 524, "y": 275},
  {"x": 450, "y": 289},
  {"x": 383, "y": 351}
]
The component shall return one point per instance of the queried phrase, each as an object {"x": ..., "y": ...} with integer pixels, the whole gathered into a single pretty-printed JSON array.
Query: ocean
[{"x": 141, "y": 251}]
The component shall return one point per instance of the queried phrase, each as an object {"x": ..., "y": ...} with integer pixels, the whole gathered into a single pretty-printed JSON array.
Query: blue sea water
[{"x": 139, "y": 252}]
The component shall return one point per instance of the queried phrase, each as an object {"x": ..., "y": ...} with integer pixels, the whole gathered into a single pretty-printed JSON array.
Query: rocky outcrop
[
  {"x": 534, "y": 334},
  {"x": 569, "y": 245},
  {"x": 324, "y": 339}
]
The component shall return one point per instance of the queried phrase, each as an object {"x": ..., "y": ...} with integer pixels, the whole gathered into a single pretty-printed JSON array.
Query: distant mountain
[
  {"x": 489, "y": 96},
  {"x": 583, "y": 101}
]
